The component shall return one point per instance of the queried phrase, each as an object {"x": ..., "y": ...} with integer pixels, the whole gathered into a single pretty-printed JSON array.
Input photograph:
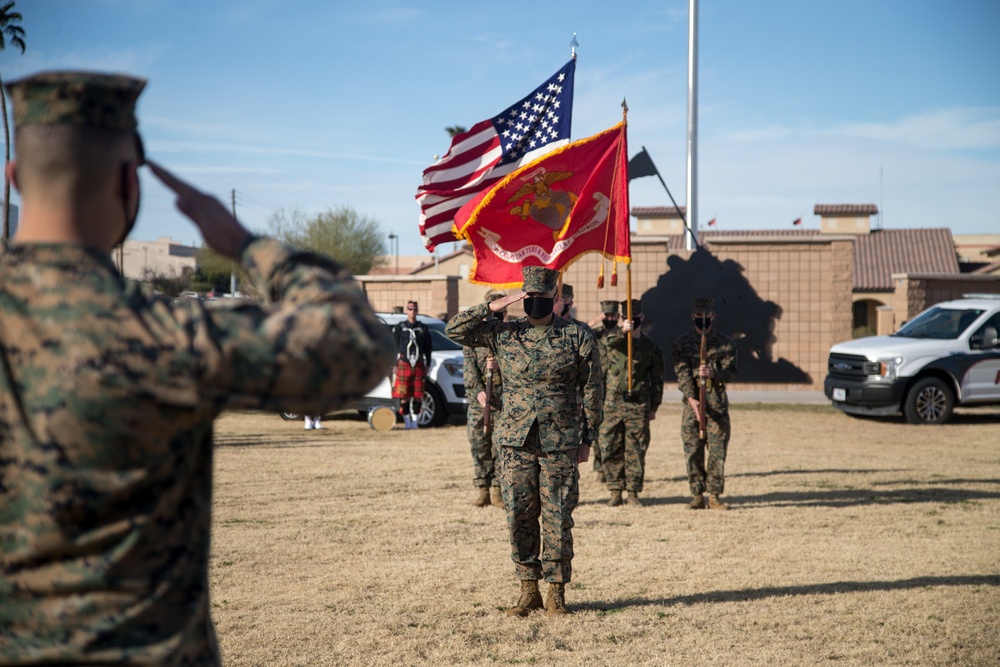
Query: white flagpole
[{"x": 692, "y": 128}]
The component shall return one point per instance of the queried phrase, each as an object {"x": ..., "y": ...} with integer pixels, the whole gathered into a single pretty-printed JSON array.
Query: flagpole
[
  {"x": 628, "y": 269},
  {"x": 692, "y": 128}
]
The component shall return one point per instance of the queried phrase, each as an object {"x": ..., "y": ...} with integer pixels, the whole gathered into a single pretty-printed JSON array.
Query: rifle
[
  {"x": 701, "y": 390},
  {"x": 489, "y": 398}
]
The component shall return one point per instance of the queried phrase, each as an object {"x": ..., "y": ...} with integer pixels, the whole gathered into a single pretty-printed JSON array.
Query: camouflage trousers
[
  {"x": 485, "y": 452},
  {"x": 540, "y": 485},
  {"x": 597, "y": 453},
  {"x": 706, "y": 473},
  {"x": 624, "y": 441}
]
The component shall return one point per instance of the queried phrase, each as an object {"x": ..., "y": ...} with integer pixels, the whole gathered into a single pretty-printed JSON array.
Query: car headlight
[
  {"x": 454, "y": 367},
  {"x": 883, "y": 370}
]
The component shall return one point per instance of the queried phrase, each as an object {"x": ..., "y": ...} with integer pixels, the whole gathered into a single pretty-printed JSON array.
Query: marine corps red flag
[{"x": 549, "y": 212}]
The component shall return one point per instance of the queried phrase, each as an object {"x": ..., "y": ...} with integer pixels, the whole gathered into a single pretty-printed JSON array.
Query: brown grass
[{"x": 850, "y": 542}]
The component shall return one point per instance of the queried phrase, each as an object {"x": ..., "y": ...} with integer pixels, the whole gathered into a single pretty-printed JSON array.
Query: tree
[
  {"x": 355, "y": 241},
  {"x": 13, "y": 34},
  {"x": 453, "y": 130}
]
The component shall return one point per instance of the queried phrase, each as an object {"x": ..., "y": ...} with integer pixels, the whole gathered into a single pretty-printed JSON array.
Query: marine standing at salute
[
  {"x": 108, "y": 394},
  {"x": 547, "y": 363},
  {"x": 705, "y": 452},
  {"x": 625, "y": 430},
  {"x": 602, "y": 325},
  {"x": 565, "y": 311},
  {"x": 485, "y": 448},
  {"x": 413, "y": 358}
]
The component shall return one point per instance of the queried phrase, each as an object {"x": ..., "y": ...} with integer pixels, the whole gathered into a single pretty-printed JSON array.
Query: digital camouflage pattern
[
  {"x": 546, "y": 486},
  {"x": 76, "y": 98},
  {"x": 705, "y": 474},
  {"x": 546, "y": 370},
  {"x": 485, "y": 451},
  {"x": 107, "y": 398},
  {"x": 625, "y": 431},
  {"x": 542, "y": 369}
]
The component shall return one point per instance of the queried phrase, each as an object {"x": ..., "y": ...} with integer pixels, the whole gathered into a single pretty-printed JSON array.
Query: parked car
[
  {"x": 947, "y": 355},
  {"x": 444, "y": 385}
]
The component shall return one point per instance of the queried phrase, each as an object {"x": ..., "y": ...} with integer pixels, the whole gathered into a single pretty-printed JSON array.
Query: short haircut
[{"x": 76, "y": 160}]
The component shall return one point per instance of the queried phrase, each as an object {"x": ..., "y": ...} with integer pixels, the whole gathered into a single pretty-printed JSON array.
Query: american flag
[{"x": 482, "y": 155}]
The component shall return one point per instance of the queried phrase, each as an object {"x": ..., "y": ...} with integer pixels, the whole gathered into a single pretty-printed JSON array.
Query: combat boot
[
  {"x": 715, "y": 504},
  {"x": 697, "y": 502},
  {"x": 483, "y": 499},
  {"x": 496, "y": 497},
  {"x": 555, "y": 601},
  {"x": 530, "y": 599},
  {"x": 616, "y": 498},
  {"x": 633, "y": 499}
]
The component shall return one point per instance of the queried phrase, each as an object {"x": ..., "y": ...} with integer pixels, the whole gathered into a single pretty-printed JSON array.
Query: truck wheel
[
  {"x": 290, "y": 416},
  {"x": 929, "y": 401},
  {"x": 433, "y": 411}
]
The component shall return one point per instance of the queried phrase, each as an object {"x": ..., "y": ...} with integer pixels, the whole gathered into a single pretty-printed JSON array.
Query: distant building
[{"x": 164, "y": 256}]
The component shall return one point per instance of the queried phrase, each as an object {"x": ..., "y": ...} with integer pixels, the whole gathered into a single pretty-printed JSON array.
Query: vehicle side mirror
[{"x": 987, "y": 340}]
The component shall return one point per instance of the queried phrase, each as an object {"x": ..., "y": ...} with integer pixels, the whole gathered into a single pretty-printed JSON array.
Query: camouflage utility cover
[
  {"x": 76, "y": 98},
  {"x": 543, "y": 368},
  {"x": 107, "y": 397}
]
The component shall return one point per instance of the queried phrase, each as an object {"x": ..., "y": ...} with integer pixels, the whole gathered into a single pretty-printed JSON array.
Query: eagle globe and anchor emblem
[{"x": 543, "y": 204}]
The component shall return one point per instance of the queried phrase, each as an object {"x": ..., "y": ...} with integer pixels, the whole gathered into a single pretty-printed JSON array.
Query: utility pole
[{"x": 232, "y": 276}]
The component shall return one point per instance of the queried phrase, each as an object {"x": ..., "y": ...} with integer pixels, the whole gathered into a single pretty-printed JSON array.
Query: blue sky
[{"x": 310, "y": 104}]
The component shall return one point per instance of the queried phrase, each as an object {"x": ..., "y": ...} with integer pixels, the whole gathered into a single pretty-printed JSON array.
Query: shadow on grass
[
  {"x": 858, "y": 497},
  {"x": 755, "y": 594}
]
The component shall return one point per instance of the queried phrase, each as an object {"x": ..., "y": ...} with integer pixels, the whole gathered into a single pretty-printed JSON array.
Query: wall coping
[
  {"x": 391, "y": 278},
  {"x": 821, "y": 239}
]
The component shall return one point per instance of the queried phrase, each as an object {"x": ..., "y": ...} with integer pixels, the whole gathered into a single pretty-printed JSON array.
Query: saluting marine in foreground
[
  {"x": 546, "y": 363},
  {"x": 107, "y": 394}
]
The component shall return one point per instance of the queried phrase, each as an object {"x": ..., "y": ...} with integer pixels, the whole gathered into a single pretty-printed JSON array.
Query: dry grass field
[{"x": 850, "y": 542}]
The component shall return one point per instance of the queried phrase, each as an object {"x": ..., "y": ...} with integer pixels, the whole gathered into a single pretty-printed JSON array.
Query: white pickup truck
[{"x": 947, "y": 355}]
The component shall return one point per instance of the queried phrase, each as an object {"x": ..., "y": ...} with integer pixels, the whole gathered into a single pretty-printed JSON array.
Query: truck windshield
[{"x": 941, "y": 323}]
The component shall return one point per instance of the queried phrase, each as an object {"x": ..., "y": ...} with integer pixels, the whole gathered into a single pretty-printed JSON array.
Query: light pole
[
  {"x": 394, "y": 240},
  {"x": 145, "y": 265}
]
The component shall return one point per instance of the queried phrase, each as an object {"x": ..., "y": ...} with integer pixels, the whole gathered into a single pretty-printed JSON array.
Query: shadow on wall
[{"x": 740, "y": 314}]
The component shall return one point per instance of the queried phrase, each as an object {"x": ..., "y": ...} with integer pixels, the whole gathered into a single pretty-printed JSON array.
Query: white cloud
[{"x": 956, "y": 128}]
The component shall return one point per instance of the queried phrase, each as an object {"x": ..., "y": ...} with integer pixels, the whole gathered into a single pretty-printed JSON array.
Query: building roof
[
  {"x": 877, "y": 255},
  {"x": 884, "y": 252},
  {"x": 466, "y": 249},
  {"x": 658, "y": 211},
  {"x": 845, "y": 209}
]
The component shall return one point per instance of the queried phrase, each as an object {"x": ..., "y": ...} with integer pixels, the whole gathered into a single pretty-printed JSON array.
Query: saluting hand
[
  {"x": 500, "y": 304},
  {"x": 222, "y": 232}
]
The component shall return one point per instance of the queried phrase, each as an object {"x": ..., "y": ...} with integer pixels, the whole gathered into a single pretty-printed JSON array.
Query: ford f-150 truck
[{"x": 947, "y": 355}]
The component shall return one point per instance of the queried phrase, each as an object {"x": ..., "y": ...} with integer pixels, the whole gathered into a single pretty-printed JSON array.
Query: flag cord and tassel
[{"x": 600, "y": 275}]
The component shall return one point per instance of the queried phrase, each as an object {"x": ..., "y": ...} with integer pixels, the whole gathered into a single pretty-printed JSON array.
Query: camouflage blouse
[
  {"x": 107, "y": 397},
  {"x": 544, "y": 370}
]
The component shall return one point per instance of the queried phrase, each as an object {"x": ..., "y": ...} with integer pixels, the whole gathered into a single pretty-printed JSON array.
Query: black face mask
[
  {"x": 636, "y": 323},
  {"x": 610, "y": 324},
  {"x": 538, "y": 307},
  {"x": 703, "y": 323},
  {"x": 565, "y": 310},
  {"x": 499, "y": 315}
]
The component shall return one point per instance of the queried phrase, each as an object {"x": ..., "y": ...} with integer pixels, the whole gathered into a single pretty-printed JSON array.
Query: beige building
[
  {"x": 785, "y": 296},
  {"x": 164, "y": 256}
]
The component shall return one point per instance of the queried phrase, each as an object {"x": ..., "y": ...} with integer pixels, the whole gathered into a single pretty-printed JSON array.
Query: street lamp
[{"x": 394, "y": 240}]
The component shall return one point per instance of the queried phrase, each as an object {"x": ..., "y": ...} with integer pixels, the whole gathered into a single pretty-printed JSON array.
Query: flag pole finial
[
  {"x": 572, "y": 46},
  {"x": 624, "y": 108}
]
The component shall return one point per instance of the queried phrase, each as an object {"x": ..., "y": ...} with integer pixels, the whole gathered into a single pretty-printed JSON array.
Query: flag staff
[{"x": 628, "y": 267}]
